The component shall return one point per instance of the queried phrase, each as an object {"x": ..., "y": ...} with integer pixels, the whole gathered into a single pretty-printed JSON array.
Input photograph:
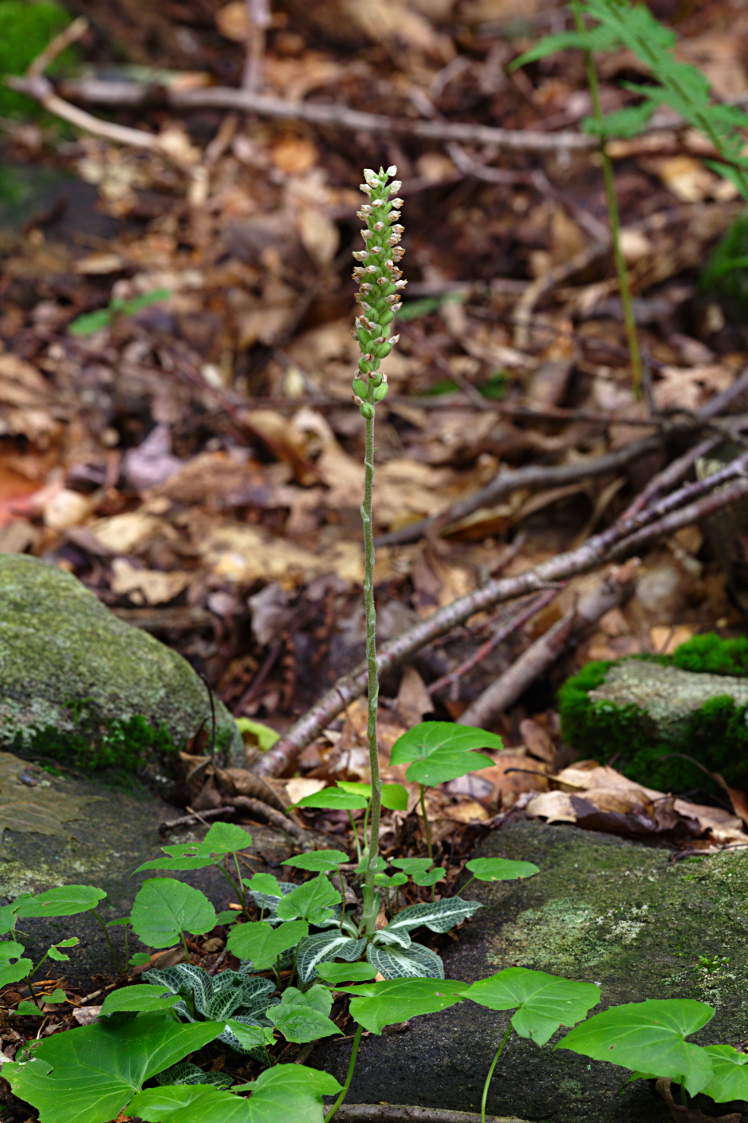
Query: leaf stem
[
  {"x": 491, "y": 1069},
  {"x": 349, "y": 1074},
  {"x": 426, "y": 823}
]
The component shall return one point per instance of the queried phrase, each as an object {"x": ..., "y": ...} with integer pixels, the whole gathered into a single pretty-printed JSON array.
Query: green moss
[
  {"x": 725, "y": 276},
  {"x": 25, "y": 29},
  {"x": 129, "y": 743},
  {"x": 716, "y": 735}
]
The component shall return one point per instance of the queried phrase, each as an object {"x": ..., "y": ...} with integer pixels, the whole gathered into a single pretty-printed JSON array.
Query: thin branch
[
  {"x": 42, "y": 90},
  {"x": 688, "y": 505},
  {"x": 507, "y": 628},
  {"x": 69, "y": 35},
  {"x": 122, "y": 94},
  {"x": 535, "y": 477},
  {"x": 541, "y": 654},
  {"x": 532, "y": 478},
  {"x": 409, "y": 1113}
]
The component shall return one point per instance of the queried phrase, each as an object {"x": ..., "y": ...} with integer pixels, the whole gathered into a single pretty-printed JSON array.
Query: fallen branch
[
  {"x": 531, "y": 664},
  {"x": 409, "y": 1113},
  {"x": 130, "y": 95},
  {"x": 532, "y": 478},
  {"x": 500, "y": 634},
  {"x": 535, "y": 477},
  {"x": 690, "y": 504}
]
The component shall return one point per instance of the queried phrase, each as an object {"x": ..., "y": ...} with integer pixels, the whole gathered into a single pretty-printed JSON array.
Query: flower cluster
[{"x": 380, "y": 281}]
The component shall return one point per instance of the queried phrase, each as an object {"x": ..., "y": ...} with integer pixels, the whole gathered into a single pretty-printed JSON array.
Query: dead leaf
[{"x": 147, "y": 586}]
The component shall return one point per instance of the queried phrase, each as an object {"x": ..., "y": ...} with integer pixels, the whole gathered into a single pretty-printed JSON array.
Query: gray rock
[
  {"x": 601, "y": 910},
  {"x": 83, "y": 687}
]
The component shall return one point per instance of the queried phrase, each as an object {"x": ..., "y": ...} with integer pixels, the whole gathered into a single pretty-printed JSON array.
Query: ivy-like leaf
[
  {"x": 312, "y": 901},
  {"x": 649, "y": 1037},
  {"x": 292, "y": 1092},
  {"x": 730, "y": 1078},
  {"x": 323, "y": 861},
  {"x": 303, "y": 1016},
  {"x": 64, "y": 900},
  {"x": 428, "y": 737},
  {"x": 91, "y": 1074},
  {"x": 376, "y": 1005},
  {"x": 262, "y": 944},
  {"x": 334, "y": 799},
  {"x": 500, "y": 869},
  {"x": 345, "y": 972},
  {"x": 164, "y": 908},
  {"x": 221, "y": 839},
  {"x": 543, "y": 1002},
  {"x": 137, "y": 999}
]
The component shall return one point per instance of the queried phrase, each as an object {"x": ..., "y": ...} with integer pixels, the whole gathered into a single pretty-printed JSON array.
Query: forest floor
[{"x": 176, "y": 423}]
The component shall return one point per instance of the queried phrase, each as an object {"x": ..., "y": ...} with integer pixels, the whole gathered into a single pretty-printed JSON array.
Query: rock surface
[
  {"x": 601, "y": 910},
  {"x": 80, "y": 685}
]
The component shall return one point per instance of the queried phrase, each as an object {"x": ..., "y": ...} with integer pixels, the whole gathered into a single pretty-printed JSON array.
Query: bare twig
[
  {"x": 532, "y": 478},
  {"x": 42, "y": 90},
  {"x": 516, "y": 621},
  {"x": 69, "y": 35},
  {"x": 409, "y": 1113},
  {"x": 536, "y": 477},
  {"x": 615, "y": 585},
  {"x": 258, "y": 12},
  {"x": 124, "y": 94},
  {"x": 688, "y": 505}
]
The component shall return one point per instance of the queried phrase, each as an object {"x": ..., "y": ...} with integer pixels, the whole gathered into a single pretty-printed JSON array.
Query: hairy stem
[{"x": 371, "y": 897}]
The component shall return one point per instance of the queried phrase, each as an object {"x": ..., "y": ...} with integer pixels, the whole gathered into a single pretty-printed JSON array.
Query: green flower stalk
[{"x": 379, "y": 284}]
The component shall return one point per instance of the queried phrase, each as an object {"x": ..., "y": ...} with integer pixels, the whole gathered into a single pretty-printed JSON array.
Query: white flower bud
[{"x": 392, "y": 170}]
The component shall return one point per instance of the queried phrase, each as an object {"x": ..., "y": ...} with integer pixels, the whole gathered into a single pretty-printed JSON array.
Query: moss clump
[
  {"x": 129, "y": 743},
  {"x": 716, "y": 734},
  {"x": 25, "y": 29}
]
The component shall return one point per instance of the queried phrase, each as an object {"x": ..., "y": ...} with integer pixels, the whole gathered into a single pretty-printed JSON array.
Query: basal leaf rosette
[{"x": 379, "y": 283}]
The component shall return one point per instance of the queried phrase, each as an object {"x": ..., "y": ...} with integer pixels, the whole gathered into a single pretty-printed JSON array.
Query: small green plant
[
  {"x": 619, "y": 24},
  {"x": 91, "y": 322},
  {"x": 682, "y": 87},
  {"x": 302, "y": 946}
]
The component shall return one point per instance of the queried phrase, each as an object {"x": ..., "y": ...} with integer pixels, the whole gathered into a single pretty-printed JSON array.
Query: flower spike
[{"x": 380, "y": 281}]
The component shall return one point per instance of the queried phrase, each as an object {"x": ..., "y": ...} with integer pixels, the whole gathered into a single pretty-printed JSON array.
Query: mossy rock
[
  {"x": 25, "y": 30},
  {"x": 603, "y": 910},
  {"x": 640, "y": 710},
  {"x": 82, "y": 687}
]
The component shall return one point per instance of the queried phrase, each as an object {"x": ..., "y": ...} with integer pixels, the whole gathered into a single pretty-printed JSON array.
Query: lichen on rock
[{"x": 81, "y": 686}]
